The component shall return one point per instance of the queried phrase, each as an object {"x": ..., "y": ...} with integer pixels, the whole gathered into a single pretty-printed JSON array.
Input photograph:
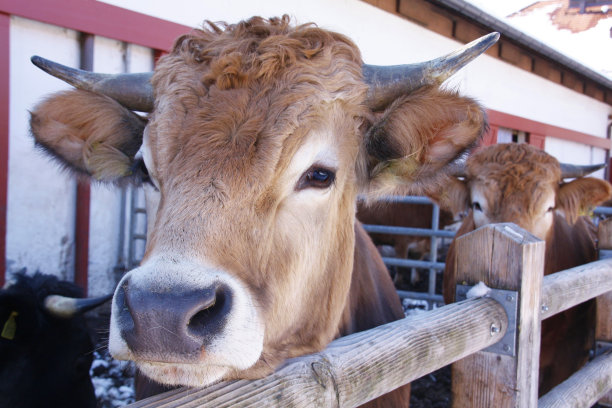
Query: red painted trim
[
  {"x": 83, "y": 191},
  {"x": 94, "y": 17},
  {"x": 5, "y": 26},
  {"x": 538, "y": 128},
  {"x": 538, "y": 141},
  {"x": 490, "y": 138},
  {"x": 81, "y": 235}
]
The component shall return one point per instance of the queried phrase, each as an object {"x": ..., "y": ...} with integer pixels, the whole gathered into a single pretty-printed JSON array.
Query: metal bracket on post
[
  {"x": 602, "y": 347},
  {"x": 509, "y": 300}
]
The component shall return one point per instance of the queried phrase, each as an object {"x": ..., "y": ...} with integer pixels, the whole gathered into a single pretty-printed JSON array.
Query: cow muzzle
[
  {"x": 175, "y": 318},
  {"x": 179, "y": 324}
]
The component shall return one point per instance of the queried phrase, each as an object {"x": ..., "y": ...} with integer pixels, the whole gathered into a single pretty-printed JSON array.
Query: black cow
[{"x": 45, "y": 347}]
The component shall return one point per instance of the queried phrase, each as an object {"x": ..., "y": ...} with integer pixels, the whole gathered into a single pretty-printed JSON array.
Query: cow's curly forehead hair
[
  {"x": 512, "y": 161},
  {"x": 259, "y": 48}
]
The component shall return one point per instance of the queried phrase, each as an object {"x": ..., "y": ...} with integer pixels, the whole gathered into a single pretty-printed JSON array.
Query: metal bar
[
  {"x": 603, "y": 210},
  {"x": 411, "y": 263},
  {"x": 420, "y": 232},
  {"x": 403, "y": 199},
  {"x": 131, "y": 263},
  {"x": 433, "y": 249},
  {"x": 420, "y": 296},
  {"x": 121, "y": 241}
]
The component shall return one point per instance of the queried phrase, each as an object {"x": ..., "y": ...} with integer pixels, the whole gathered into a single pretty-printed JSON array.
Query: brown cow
[
  {"x": 260, "y": 137},
  {"x": 521, "y": 184}
]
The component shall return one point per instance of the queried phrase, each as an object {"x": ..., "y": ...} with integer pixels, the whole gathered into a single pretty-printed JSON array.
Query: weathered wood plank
[
  {"x": 603, "y": 328},
  {"x": 584, "y": 388},
  {"x": 503, "y": 256},
  {"x": 357, "y": 368},
  {"x": 565, "y": 289}
]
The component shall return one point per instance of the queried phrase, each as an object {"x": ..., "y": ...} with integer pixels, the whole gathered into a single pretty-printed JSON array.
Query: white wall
[
  {"x": 388, "y": 39},
  {"x": 41, "y": 196},
  {"x": 40, "y": 220}
]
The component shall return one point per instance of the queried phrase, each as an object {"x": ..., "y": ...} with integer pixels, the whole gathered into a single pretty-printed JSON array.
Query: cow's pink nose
[{"x": 174, "y": 325}]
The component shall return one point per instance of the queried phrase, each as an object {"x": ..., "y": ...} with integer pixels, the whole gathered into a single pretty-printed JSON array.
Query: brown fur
[
  {"x": 100, "y": 142},
  {"x": 518, "y": 176},
  {"x": 233, "y": 105}
]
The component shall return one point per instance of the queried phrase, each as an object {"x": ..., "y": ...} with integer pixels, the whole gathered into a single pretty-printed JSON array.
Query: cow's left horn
[
  {"x": 134, "y": 91},
  {"x": 575, "y": 171},
  {"x": 387, "y": 83},
  {"x": 67, "y": 307}
]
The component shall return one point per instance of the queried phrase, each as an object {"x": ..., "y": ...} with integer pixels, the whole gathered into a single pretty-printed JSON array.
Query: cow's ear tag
[{"x": 10, "y": 327}]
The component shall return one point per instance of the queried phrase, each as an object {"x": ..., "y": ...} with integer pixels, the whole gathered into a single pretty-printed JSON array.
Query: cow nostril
[
  {"x": 210, "y": 318},
  {"x": 125, "y": 319}
]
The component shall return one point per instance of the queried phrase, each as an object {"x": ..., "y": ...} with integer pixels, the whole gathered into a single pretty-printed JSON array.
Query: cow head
[
  {"x": 522, "y": 184},
  {"x": 259, "y": 139}
]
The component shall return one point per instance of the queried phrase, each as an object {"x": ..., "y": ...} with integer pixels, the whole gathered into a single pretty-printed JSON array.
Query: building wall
[
  {"x": 41, "y": 197},
  {"x": 40, "y": 218},
  {"x": 385, "y": 38}
]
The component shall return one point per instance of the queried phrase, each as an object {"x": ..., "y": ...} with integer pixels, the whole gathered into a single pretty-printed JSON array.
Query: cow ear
[
  {"x": 580, "y": 196},
  {"x": 416, "y": 138},
  {"x": 453, "y": 196},
  {"x": 89, "y": 133}
]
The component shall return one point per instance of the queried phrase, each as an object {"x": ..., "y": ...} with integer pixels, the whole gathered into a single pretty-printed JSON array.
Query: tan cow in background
[
  {"x": 521, "y": 184},
  {"x": 261, "y": 135}
]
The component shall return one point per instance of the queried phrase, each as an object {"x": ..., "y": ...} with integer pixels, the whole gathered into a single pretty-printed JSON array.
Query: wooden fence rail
[
  {"x": 566, "y": 289},
  {"x": 584, "y": 388},
  {"x": 355, "y": 369}
]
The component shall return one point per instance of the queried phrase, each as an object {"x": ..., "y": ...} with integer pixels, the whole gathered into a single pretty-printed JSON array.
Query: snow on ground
[{"x": 113, "y": 380}]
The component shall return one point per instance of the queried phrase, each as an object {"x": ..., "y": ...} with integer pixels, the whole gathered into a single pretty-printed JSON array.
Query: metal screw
[
  {"x": 506, "y": 348},
  {"x": 494, "y": 329},
  {"x": 544, "y": 308}
]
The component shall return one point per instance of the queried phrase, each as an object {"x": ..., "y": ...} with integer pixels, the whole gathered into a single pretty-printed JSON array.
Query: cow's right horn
[
  {"x": 387, "y": 83},
  {"x": 134, "y": 91},
  {"x": 575, "y": 171},
  {"x": 67, "y": 307}
]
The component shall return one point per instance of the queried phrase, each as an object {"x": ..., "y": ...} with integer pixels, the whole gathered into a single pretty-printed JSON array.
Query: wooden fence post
[
  {"x": 503, "y": 256},
  {"x": 603, "y": 328}
]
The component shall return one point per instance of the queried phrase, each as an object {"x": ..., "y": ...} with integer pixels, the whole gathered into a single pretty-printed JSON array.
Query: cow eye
[
  {"x": 139, "y": 170},
  {"x": 550, "y": 209},
  {"x": 476, "y": 206},
  {"x": 316, "y": 177}
]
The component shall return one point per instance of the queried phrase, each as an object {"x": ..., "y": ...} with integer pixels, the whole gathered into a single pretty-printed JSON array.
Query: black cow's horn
[
  {"x": 67, "y": 307},
  {"x": 134, "y": 91},
  {"x": 575, "y": 171},
  {"x": 389, "y": 82}
]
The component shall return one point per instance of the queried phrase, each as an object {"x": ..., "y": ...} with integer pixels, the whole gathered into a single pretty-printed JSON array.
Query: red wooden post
[{"x": 83, "y": 193}]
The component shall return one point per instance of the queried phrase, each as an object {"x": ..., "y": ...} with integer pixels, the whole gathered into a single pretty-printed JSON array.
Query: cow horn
[
  {"x": 134, "y": 91},
  {"x": 457, "y": 169},
  {"x": 67, "y": 307},
  {"x": 575, "y": 171},
  {"x": 387, "y": 83}
]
